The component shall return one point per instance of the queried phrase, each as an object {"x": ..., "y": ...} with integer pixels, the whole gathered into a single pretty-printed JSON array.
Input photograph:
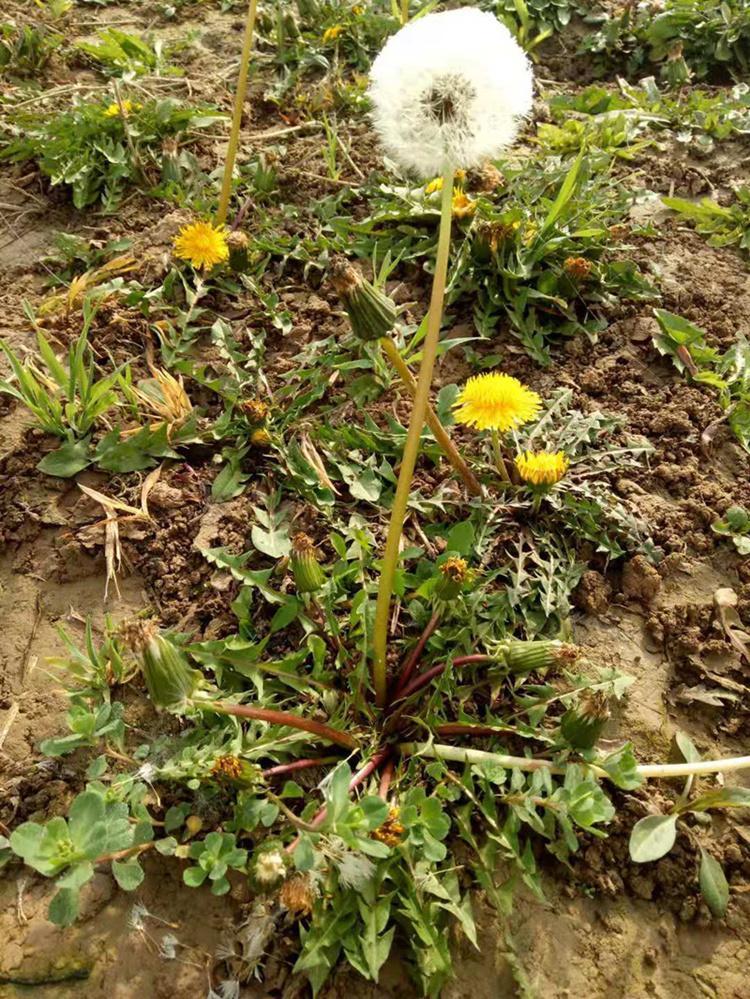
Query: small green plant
[
  {"x": 728, "y": 373},
  {"x": 686, "y": 38},
  {"x": 26, "y": 50},
  {"x": 66, "y": 400},
  {"x": 735, "y": 525},
  {"x": 98, "y": 149},
  {"x": 119, "y": 53},
  {"x": 725, "y": 226}
]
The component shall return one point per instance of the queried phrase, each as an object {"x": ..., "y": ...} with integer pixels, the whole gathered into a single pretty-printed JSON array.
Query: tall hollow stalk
[
  {"x": 459, "y": 754},
  {"x": 432, "y": 419},
  {"x": 404, "y": 11},
  {"x": 239, "y": 101},
  {"x": 411, "y": 448}
]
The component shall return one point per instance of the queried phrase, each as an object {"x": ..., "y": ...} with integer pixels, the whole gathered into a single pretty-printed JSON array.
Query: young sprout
[
  {"x": 448, "y": 91},
  {"x": 202, "y": 244},
  {"x": 496, "y": 402}
]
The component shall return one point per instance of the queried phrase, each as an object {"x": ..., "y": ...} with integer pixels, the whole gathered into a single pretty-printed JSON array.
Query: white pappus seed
[{"x": 448, "y": 90}]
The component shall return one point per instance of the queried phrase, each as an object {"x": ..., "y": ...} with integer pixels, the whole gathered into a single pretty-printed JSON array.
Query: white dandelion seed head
[
  {"x": 449, "y": 88},
  {"x": 269, "y": 867}
]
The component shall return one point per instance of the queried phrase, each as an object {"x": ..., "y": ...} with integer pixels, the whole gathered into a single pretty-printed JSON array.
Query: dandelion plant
[{"x": 448, "y": 92}]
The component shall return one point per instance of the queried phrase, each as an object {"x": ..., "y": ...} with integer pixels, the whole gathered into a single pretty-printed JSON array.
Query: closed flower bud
[
  {"x": 170, "y": 162},
  {"x": 170, "y": 680},
  {"x": 582, "y": 723},
  {"x": 306, "y": 569},
  {"x": 255, "y": 410},
  {"x": 260, "y": 437},
  {"x": 371, "y": 313},
  {"x": 525, "y": 657},
  {"x": 452, "y": 575},
  {"x": 238, "y": 244}
]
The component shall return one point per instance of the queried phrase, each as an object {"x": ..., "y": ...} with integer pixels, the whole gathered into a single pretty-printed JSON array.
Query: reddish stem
[
  {"x": 385, "y": 778},
  {"x": 424, "y": 678},
  {"x": 288, "y": 768},
  {"x": 359, "y": 778},
  {"x": 282, "y": 718},
  {"x": 414, "y": 656}
]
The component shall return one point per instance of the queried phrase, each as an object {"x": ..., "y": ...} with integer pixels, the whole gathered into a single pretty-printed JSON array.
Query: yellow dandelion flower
[
  {"x": 114, "y": 109},
  {"x": 543, "y": 468},
  {"x": 496, "y": 401},
  {"x": 358, "y": 10},
  {"x": 331, "y": 34},
  {"x": 434, "y": 185},
  {"x": 203, "y": 244},
  {"x": 462, "y": 205}
]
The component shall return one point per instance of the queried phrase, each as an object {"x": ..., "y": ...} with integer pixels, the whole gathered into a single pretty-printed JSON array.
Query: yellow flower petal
[
  {"x": 202, "y": 244},
  {"x": 543, "y": 468},
  {"x": 496, "y": 402}
]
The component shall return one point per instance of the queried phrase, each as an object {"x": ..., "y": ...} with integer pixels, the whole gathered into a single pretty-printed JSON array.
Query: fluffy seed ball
[{"x": 449, "y": 88}]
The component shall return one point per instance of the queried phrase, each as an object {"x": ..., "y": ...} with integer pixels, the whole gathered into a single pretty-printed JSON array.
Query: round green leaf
[
  {"x": 652, "y": 838},
  {"x": 128, "y": 874}
]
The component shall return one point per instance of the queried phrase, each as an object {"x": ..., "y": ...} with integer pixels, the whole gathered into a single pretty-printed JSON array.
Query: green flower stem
[
  {"x": 239, "y": 101},
  {"x": 404, "y": 11},
  {"x": 433, "y": 421},
  {"x": 499, "y": 459},
  {"x": 411, "y": 448},
  {"x": 458, "y": 754},
  {"x": 279, "y": 718}
]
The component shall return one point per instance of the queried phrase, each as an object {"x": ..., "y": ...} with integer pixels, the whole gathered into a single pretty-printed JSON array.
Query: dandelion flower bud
[
  {"x": 582, "y": 724},
  {"x": 237, "y": 242},
  {"x": 449, "y": 89},
  {"x": 269, "y": 867},
  {"x": 453, "y": 573},
  {"x": 526, "y": 657},
  {"x": 542, "y": 468},
  {"x": 255, "y": 410},
  {"x": 307, "y": 570},
  {"x": 170, "y": 680},
  {"x": 371, "y": 313}
]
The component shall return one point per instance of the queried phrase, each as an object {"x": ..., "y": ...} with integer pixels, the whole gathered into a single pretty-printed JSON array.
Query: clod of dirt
[
  {"x": 593, "y": 593},
  {"x": 640, "y": 581}
]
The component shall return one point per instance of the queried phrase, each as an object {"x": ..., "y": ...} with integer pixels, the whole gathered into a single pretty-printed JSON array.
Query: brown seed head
[
  {"x": 577, "y": 268},
  {"x": 297, "y": 895},
  {"x": 303, "y": 544},
  {"x": 344, "y": 278},
  {"x": 138, "y": 633},
  {"x": 237, "y": 240}
]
